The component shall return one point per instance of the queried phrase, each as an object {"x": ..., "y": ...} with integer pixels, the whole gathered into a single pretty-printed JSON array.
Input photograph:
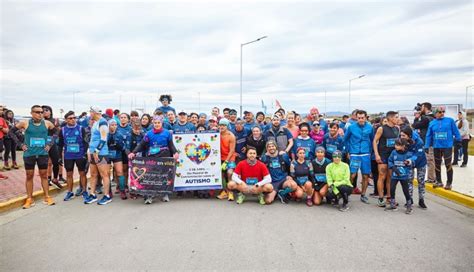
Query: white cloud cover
[{"x": 107, "y": 52}]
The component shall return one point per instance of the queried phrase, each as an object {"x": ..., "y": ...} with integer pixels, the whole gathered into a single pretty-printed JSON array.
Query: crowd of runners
[{"x": 287, "y": 156}]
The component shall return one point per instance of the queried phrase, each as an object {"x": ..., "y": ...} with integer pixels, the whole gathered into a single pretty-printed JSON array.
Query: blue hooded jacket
[
  {"x": 396, "y": 162},
  {"x": 417, "y": 150},
  {"x": 358, "y": 139},
  {"x": 441, "y": 132}
]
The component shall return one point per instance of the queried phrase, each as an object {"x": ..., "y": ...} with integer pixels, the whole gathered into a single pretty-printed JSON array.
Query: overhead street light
[{"x": 241, "y": 48}]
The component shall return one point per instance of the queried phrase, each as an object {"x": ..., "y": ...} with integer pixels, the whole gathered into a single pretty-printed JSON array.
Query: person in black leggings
[
  {"x": 53, "y": 151},
  {"x": 10, "y": 145}
]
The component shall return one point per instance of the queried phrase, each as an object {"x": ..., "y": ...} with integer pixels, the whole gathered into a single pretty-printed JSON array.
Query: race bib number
[
  {"x": 251, "y": 181},
  {"x": 391, "y": 142},
  {"x": 37, "y": 142},
  {"x": 331, "y": 148},
  {"x": 301, "y": 180},
  {"x": 72, "y": 148},
  {"x": 355, "y": 164},
  {"x": 441, "y": 135},
  {"x": 320, "y": 177},
  {"x": 155, "y": 150},
  {"x": 276, "y": 164}
]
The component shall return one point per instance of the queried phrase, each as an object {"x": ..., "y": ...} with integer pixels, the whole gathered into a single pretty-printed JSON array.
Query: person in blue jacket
[
  {"x": 416, "y": 147},
  {"x": 440, "y": 135},
  {"x": 401, "y": 163},
  {"x": 358, "y": 143},
  {"x": 333, "y": 141}
]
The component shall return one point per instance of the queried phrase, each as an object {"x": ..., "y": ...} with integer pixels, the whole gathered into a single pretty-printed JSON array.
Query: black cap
[
  {"x": 247, "y": 112},
  {"x": 182, "y": 113},
  {"x": 260, "y": 113}
]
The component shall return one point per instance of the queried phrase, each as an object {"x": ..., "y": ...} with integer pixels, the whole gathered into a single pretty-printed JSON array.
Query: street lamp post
[
  {"x": 350, "y": 81},
  {"x": 241, "y": 47},
  {"x": 467, "y": 89}
]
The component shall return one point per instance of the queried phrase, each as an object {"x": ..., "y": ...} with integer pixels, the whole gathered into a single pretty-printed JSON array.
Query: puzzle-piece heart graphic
[
  {"x": 138, "y": 172},
  {"x": 198, "y": 154}
]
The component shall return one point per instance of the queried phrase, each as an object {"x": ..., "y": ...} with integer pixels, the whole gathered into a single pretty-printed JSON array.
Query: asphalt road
[{"x": 193, "y": 234}]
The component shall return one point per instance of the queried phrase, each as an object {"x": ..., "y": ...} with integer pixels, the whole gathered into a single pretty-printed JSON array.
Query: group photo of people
[{"x": 285, "y": 156}]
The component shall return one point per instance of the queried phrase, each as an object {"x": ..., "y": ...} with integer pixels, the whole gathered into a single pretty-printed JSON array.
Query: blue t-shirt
[
  {"x": 95, "y": 137},
  {"x": 165, "y": 109},
  {"x": 186, "y": 128},
  {"x": 308, "y": 144},
  {"x": 241, "y": 141},
  {"x": 278, "y": 166}
]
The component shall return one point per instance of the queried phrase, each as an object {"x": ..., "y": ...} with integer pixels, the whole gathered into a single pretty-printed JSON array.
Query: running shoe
[
  {"x": 105, "y": 200},
  {"x": 48, "y": 201},
  {"x": 356, "y": 191},
  {"x": 240, "y": 198},
  {"x": 62, "y": 180},
  {"x": 98, "y": 190},
  {"x": 409, "y": 209},
  {"x": 364, "y": 199},
  {"x": 422, "y": 204},
  {"x": 448, "y": 187},
  {"x": 392, "y": 208},
  {"x": 381, "y": 203},
  {"x": 309, "y": 201},
  {"x": 85, "y": 195},
  {"x": 90, "y": 199},
  {"x": 69, "y": 196},
  {"x": 29, "y": 202},
  {"x": 123, "y": 195},
  {"x": 438, "y": 184},
  {"x": 230, "y": 196},
  {"x": 261, "y": 199},
  {"x": 15, "y": 166},
  {"x": 283, "y": 199},
  {"x": 148, "y": 200},
  {"x": 165, "y": 198},
  {"x": 78, "y": 191},
  {"x": 56, "y": 184},
  {"x": 344, "y": 208},
  {"x": 222, "y": 195}
]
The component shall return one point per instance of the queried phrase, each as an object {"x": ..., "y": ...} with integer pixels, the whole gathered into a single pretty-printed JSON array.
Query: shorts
[
  {"x": 30, "y": 162},
  {"x": 80, "y": 163},
  {"x": 318, "y": 186},
  {"x": 115, "y": 160},
  {"x": 102, "y": 160},
  {"x": 124, "y": 158},
  {"x": 384, "y": 158},
  {"x": 362, "y": 162},
  {"x": 278, "y": 185}
]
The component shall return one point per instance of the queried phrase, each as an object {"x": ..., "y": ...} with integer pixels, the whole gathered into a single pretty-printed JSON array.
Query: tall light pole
[
  {"x": 350, "y": 81},
  {"x": 467, "y": 89},
  {"x": 241, "y": 47}
]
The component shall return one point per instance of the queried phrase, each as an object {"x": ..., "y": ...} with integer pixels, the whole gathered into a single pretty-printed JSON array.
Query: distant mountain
[{"x": 336, "y": 113}]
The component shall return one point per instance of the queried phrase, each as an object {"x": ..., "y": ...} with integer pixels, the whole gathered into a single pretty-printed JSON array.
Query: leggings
[
  {"x": 10, "y": 148},
  {"x": 465, "y": 155},
  {"x": 344, "y": 192},
  {"x": 420, "y": 177},
  {"x": 54, "y": 156},
  {"x": 447, "y": 155},
  {"x": 406, "y": 191}
]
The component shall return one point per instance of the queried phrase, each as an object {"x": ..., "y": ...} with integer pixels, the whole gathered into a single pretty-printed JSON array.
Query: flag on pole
[
  {"x": 264, "y": 108},
  {"x": 277, "y": 103}
]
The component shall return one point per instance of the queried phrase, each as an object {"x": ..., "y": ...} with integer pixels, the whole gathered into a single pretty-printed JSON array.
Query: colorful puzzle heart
[{"x": 198, "y": 154}]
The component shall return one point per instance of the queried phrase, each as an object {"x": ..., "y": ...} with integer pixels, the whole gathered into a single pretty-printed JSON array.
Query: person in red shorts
[{"x": 251, "y": 176}]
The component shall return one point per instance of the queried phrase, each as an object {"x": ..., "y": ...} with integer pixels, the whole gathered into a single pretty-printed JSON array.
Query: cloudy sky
[{"x": 112, "y": 53}]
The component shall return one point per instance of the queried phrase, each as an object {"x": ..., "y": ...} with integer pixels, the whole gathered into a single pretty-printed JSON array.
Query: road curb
[
  {"x": 37, "y": 195},
  {"x": 453, "y": 196}
]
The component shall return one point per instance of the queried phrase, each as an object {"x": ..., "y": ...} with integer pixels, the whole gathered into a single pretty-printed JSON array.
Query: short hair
[
  {"x": 391, "y": 114},
  {"x": 304, "y": 125},
  {"x": 35, "y": 106},
  {"x": 427, "y": 105},
  {"x": 69, "y": 113},
  {"x": 250, "y": 148},
  {"x": 165, "y": 96},
  {"x": 126, "y": 114},
  {"x": 134, "y": 113},
  {"x": 193, "y": 113},
  {"x": 117, "y": 111},
  {"x": 345, "y": 116},
  {"x": 361, "y": 112},
  {"x": 334, "y": 124},
  {"x": 225, "y": 109}
]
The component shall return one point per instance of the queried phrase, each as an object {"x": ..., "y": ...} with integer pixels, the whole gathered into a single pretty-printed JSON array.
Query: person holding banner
[
  {"x": 278, "y": 163},
  {"x": 251, "y": 176},
  {"x": 159, "y": 143},
  {"x": 228, "y": 154}
]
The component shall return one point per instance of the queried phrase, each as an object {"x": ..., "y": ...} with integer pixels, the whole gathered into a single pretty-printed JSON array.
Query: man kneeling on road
[
  {"x": 278, "y": 163},
  {"x": 251, "y": 177}
]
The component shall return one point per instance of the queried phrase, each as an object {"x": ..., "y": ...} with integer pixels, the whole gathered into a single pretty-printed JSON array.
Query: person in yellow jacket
[{"x": 339, "y": 181}]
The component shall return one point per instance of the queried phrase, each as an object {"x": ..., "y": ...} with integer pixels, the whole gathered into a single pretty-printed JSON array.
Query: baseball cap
[
  {"x": 181, "y": 113},
  {"x": 233, "y": 112},
  {"x": 247, "y": 112},
  {"x": 95, "y": 109},
  {"x": 213, "y": 118},
  {"x": 316, "y": 123}
]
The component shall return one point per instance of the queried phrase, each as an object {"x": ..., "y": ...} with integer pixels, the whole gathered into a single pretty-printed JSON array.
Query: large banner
[
  {"x": 151, "y": 176},
  {"x": 199, "y": 163}
]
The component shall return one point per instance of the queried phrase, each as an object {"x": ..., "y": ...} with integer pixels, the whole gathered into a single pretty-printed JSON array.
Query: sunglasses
[
  {"x": 38, "y": 112},
  {"x": 71, "y": 118},
  {"x": 441, "y": 111},
  {"x": 336, "y": 156},
  {"x": 304, "y": 130}
]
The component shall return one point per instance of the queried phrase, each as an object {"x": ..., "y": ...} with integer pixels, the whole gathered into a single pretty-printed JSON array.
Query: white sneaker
[{"x": 165, "y": 198}]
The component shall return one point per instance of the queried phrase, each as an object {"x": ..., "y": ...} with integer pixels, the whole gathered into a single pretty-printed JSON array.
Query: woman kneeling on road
[
  {"x": 251, "y": 177},
  {"x": 159, "y": 143},
  {"x": 301, "y": 170},
  {"x": 339, "y": 182},
  {"x": 320, "y": 182}
]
